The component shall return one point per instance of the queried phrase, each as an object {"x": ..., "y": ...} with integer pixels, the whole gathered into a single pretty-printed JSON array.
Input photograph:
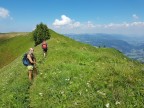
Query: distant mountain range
[{"x": 132, "y": 46}]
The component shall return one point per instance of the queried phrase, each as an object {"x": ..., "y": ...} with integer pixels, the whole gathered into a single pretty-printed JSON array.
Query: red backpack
[{"x": 44, "y": 46}]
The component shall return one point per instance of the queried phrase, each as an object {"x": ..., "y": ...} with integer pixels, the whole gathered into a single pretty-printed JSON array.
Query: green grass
[
  {"x": 13, "y": 45},
  {"x": 74, "y": 75}
]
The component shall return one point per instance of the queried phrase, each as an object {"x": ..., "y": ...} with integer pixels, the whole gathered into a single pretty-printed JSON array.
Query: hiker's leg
[
  {"x": 30, "y": 72},
  {"x": 30, "y": 75},
  {"x": 35, "y": 72},
  {"x": 44, "y": 54}
]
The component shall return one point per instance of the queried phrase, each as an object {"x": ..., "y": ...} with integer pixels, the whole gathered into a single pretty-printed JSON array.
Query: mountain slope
[
  {"x": 13, "y": 45},
  {"x": 74, "y": 75}
]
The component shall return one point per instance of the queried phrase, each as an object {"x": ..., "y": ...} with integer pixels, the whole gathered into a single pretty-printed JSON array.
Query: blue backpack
[{"x": 25, "y": 60}]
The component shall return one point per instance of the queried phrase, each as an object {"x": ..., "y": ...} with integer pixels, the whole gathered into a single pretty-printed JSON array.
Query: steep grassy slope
[
  {"x": 74, "y": 75},
  {"x": 13, "y": 45}
]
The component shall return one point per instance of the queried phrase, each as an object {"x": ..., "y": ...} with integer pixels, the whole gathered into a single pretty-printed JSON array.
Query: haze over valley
[{"x": 131, "y": 46}]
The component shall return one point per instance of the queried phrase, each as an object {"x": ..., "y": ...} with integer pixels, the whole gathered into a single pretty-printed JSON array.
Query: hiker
[
  {"x": 45, "y": 48},
  {"x": 32, "y": 71}
]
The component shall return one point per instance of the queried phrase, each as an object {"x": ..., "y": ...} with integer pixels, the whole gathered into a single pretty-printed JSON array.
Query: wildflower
[
  {"x": 101, "y": 93},
  {"x": 107, "y": 105},
  {"x": 67, "y": 79},
  {"x": 41, "y": 94},
  {"x": 75, "y": 103},
  {"x": 62, "y": 92},
  {"x": 80, "y": 93},
  {"x": 117, "y": 102},
  {"x": 88, "y": 84}
]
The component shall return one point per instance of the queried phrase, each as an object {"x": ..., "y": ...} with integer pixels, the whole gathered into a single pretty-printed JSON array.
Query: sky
[{"x": 74, "y": 16}]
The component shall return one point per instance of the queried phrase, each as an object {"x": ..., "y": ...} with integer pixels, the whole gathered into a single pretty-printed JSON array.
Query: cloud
[
  {"x": 135, "y": 16},
  {"x": 124, "y": 25},
  {"x": 64, "y": 21},
  {"x": 74, "y": 24},
  {"x": 90, "y": 24},
  {"x": 4, "y": 13},
  {"x": 67, "y": 25}
]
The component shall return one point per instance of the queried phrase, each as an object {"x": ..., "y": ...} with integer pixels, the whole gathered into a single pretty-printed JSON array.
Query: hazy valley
[{"x": 131, "y": 46}]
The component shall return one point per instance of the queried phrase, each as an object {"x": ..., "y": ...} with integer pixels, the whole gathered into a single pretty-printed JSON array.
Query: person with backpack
[
  {"x": 32, "y": 71},
  {"x": 45, "y": 48}
]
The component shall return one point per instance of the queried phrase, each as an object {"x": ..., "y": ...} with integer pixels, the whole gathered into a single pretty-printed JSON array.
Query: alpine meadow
[{"x": 73, "y": 75}]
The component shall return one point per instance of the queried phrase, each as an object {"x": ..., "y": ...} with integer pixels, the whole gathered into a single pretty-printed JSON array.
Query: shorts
[
  {"x": 30, "y": 68},
  {"x": 45, "y": 50}
]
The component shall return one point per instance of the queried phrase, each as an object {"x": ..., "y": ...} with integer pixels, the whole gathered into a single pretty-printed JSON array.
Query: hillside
[
  {"x": 74, "y": 75},
  {"x": 12, "y": 45}
]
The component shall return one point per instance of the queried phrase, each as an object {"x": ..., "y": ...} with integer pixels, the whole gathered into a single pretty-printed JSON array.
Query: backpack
[
  {"x": 44, "y": 46},
  {"x": 25, "y": 60}
]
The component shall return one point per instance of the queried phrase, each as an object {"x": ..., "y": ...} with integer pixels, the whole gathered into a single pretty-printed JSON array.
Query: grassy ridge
[
  {"x": 14, "y": 82},
  {"x": 14, "y": 85},
  {"x": 74, "y": 75},
  {"x": 80, "y": 76},
  {"x": 12, "y": 46}
]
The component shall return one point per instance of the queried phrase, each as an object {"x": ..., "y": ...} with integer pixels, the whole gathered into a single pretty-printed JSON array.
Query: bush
[{"x": 41, "y": 33}]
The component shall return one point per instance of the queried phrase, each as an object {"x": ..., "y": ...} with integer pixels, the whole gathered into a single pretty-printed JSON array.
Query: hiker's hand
[{"x": 34, "y": 65}]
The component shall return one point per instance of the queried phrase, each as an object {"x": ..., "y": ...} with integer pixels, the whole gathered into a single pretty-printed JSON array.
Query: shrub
[{"x": 41, "y": 33}]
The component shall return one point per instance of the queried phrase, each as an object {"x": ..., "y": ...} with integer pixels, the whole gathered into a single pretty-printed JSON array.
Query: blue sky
[{"x": 74, "y": 16}]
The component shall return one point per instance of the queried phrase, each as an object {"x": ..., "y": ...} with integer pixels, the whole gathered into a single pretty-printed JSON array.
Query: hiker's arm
[
  {"x": 34, "y": 59},
  {"x": 29, "y": 57}
]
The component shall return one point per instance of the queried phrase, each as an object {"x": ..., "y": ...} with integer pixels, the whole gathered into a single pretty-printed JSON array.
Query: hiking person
[
  {"x": 44, "y": 47},
  {"x": 32, "y": 71}
]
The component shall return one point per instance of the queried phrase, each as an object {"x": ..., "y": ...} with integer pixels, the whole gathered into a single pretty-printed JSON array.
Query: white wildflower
[
  {"x": 88, "y": 84},
  {"x": 67, "y": 79},
  {"x": 117, "y": 102},
  {"x": 41, "y": 94},
  {"x": 80, "y": 92},
  {"x": 101, "y": 93},
  {"x": 62, "y": 92},
  {"x": 75, "y": 103},
  {"x": 86, "y": 90},
  {"x": 107, "y": 105}
]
